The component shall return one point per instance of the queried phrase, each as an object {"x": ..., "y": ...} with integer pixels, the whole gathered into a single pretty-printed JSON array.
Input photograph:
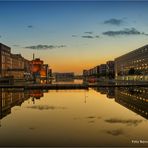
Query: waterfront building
[
  {"x": 44, "y": 73},
  {"x": 103, "y": 69},
  {"x": 27, "y": 69},
  {"x": 96, "y": 70},
  {"x": 39, "y": 70},
  {"x": 65, "y": 75},
  {"x": 17, "y": 66},
  {"x": 5, "y": 60},
  {"x": 133, "y": 65},
  {"x": 36, "y": 65},
  {"x": 49, "y": 72},
  {"x": 85, "y": 73},
  {"x": 110, "y": 69},
  {"x": 12, "y": 66},
  {"x": 91, "y": 72}
]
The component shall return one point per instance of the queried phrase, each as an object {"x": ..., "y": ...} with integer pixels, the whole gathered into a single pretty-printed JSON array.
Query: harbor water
[{"x": 94, "y": 117}]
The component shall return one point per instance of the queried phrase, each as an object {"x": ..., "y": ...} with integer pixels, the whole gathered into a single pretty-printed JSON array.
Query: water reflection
[
  {"x": 46, "y": 107},
  {"x": 10, "y": 98},
  {"x": 110, "y": 92},
  {"x": 72, "y": 117},
  {"x": 133, "y": 98},
  {"x": 128, "y": 122},
  {"x": 116, "y": 132},
  {"x": 15, "y": 97}
]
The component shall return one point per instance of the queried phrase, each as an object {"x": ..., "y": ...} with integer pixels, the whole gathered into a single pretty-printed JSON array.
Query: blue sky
[{"x": 72, "y": 36}]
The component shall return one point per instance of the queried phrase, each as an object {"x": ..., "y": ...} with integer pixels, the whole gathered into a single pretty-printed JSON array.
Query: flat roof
[{"x": 132, "y": 51}]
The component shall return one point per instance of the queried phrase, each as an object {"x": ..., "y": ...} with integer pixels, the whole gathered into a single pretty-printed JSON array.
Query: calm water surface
[{"x": 100, "y": 117}]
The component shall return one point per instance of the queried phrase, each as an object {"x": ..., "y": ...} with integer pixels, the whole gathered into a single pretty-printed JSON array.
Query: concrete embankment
[
  {"x": 47, "y": 86},
  {"x": 71, "y": 86}
]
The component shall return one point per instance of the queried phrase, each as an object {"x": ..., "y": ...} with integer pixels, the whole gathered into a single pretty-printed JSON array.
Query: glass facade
[{"x": 133, "y": 65}]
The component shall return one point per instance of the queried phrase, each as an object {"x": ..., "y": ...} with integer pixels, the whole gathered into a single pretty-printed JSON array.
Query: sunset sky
[{"x": 72, "y": 36}]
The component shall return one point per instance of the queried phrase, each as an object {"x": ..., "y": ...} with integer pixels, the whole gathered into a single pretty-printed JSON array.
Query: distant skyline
[{"x": 72, "y": 36}]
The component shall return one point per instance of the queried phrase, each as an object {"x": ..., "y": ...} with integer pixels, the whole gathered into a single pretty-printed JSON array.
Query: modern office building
[
  {"x": 110, "y": 69},
  {"x": 85, "y": 73},
  {"x": 133, "y": 65},
  {"x": 100, "y": 70},
  {"x": 91, "y": 72},
  {"x": 103, "y": 69},
  {"x": 96, "y": 70},
  {"x": 110, "y": 66}
]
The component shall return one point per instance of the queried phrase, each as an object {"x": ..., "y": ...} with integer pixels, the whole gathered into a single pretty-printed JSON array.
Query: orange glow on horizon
[{"x": 75, "y": 66}]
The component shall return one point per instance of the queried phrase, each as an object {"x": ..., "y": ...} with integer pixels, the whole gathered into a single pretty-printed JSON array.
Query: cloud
[
  {"x": 16, "y": 45},
  {"x": 74, "y": 35},
  {"x": 114, "y": 21},
  {"x": 87, "y": 36},
  {"x": 128, "y": 122},
  {"x": 44, "y": 47},
  {"x": 88, "y": 32},
  {"x": 90, "y": 36},
  {"x": 126, "y": 31},
  {"x": 30, "y": 26},
  {"x": 97, "y": 36},
  {"x": 45, "y": 107}
]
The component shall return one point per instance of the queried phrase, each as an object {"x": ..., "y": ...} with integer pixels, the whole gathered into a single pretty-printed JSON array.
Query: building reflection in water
[
  {"x": 10, "y": 98},
  {"x": 133, "y": 98},
  {"x": 110, "y": 92},
  {"x": 36, "y": 94}
]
